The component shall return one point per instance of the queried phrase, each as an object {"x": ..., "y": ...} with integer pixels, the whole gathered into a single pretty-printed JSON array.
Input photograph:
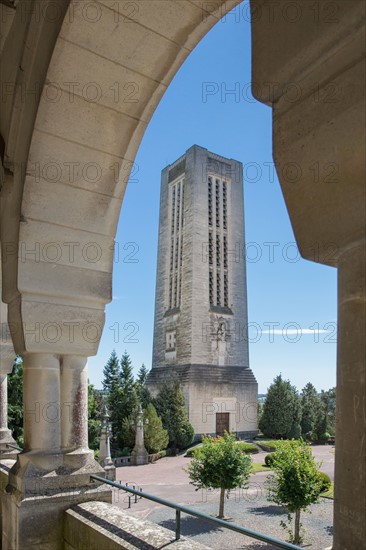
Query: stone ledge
[{"x": 96, "y": 525}]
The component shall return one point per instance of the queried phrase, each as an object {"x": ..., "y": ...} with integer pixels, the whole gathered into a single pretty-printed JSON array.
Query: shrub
[
  {"x": 248, "y": 448},
  {"x": 325, "y": 482},
  {"x": 314, "y": 436},
  {"x": 191, "y": 451},
  {"x": 325, "y": 436},
  {"x": 269, "y": 459}
]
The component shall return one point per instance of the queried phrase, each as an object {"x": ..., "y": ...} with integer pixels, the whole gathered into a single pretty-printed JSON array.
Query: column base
[
  {"x": 36, "y": 497},
  {"x": 139, "y": 457},
  {"x": 7, "y": 439},
  {"x": 36, "y": 522}
]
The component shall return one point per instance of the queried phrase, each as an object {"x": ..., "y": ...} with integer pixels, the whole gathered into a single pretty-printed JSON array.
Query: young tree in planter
[
  {"x": 295, "y": 483},
  {"x": 219, "y": 464}
]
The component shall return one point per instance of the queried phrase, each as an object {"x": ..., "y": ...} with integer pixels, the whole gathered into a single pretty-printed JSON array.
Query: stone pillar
[
  {"x": 42, "y": 412},
  {"x": 6, "y": 438},
  {"x": 7, "y": 356},
  {"x": 56, "y": 464},
  {"x": 105, "y": 448},
  {"x": 74, "y": 407},
  {"x": 139, "y": 454},
  {"x": 350, "y": 457}
]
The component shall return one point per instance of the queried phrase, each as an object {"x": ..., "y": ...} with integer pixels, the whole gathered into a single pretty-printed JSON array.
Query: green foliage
[
  {"x": 156, "y": 438},
  {"x": 142, "y": 374},
  {"x": 259, "y": 410},
  {"x": 326, "y": 482},
  {"x": 281, "y": 415},
  {"x": 190, "y": 452},
  {"x": 295, "y": 429},
  {"x": 143, "y": 393},
  {"x": 326, "y": 421},
  {"x": 268, "y": 445},
  {"x": 219, "y": 464},
  {"x": 122, "y": 398},
  {"x": 295, "y": 483},
  {"x": 111, "y": 373},
  {"x": 94, "y": 419},
  {"x": 170, "y": 407},
  {"x": 248, "y": 448},
  {"x": 269, "y": 459},
  {"x": 15, "y": 401},
  {"x": 311, "y": 409}
]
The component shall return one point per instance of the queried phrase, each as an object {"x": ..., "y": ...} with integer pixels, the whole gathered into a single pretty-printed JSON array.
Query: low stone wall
[{"x": 98, "y": 525}]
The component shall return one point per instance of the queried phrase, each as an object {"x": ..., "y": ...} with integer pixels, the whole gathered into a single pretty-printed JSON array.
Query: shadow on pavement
[
  {"x": 191, "y": 526},
  {"x": 267, "y": 511}
]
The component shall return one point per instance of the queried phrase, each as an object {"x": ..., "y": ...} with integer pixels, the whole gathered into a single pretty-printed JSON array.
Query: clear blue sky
[{"x": 285, "y": 293}]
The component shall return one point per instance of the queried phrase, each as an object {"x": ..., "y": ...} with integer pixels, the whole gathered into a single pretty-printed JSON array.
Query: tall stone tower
[{"x": 200, "y": 331}]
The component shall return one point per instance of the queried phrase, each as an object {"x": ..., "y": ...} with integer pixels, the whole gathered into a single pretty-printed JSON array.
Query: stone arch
[
  {"x": 111, "y": 63},
  {"x": 320, "y": 50}
]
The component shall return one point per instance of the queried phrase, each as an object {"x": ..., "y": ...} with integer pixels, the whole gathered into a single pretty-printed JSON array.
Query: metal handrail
[
  {"x": 14, "y": 447},
  {"x": 190, "y": 511}
]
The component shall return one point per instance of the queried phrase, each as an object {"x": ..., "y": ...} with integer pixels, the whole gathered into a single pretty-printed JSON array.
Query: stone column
[
  {"x": 42, "y": 412},
  {"x": 5, "y": 434},
  {"x": 139, "y": 454},
  {"x": 7, "y": 356},
  {"x": 105, "y": 448},
  {"x": 74, "y": 407},
  {"x": 350, "y": 457},
  {"x": 56, "y": 464}
]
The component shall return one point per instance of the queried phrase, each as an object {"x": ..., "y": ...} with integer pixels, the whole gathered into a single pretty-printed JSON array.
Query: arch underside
[{"x": 110, "y": 66}]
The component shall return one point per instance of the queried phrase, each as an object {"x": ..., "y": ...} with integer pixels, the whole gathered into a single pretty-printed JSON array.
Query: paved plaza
[{"x": 248, "y": 507}]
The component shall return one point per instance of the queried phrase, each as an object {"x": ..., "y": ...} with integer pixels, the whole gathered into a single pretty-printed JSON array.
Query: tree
[
  {"x": 326, "y": 420},
  {"x": 142, "y": 374},
  {"x": 94, "y": 417},
  {"x": 170, "y": 407},
  {"x": 295, "y": 430},
  {"x": 112, "y": 388},
  {"x": 295, "y": 483},
  {"x": 281, "y": 414},
  {"x": 112, "y": 374},
  {"x": 15, "y": 401},
  {"x": 219, "y": 464},
  {"x": 311, "y": 408},
  {"x": 127, "y": 399},
  {"x": 156, "y": 438},
  {"x": 142, "y": 392}
]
